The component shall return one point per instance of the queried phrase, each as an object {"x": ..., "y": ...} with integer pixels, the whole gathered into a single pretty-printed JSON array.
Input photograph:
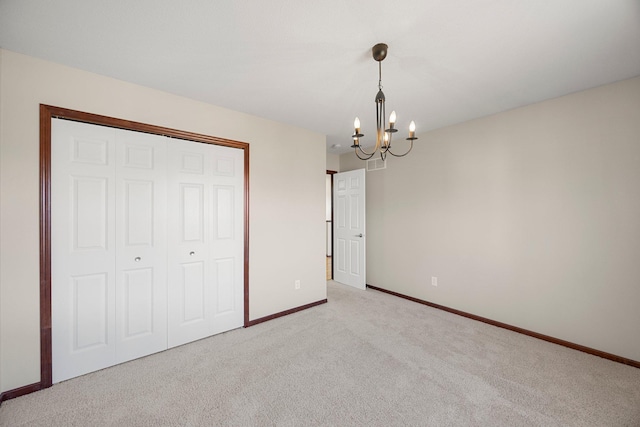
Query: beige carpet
[{"x": 364, "y": 359}]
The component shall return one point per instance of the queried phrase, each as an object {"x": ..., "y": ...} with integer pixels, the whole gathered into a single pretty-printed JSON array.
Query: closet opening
[{"x": 47, "y": 113}]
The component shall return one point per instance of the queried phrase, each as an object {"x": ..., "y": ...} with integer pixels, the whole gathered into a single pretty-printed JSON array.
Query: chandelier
[{"x": 383, "y": 136}]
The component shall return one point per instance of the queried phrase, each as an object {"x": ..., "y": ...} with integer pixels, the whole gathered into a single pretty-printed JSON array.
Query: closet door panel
[
  {"x": 189, "y": 272},
  {"x": 141, "y": 288},
  {"x": 83, "y": 248},
  {"x": 227, "y": 247}
]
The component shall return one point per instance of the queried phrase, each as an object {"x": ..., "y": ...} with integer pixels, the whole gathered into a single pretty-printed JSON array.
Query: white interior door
[
  {"x": 83, "y": 270},
  {"x": 141, "y": 245},
  {"x": 349, "y": 228}
]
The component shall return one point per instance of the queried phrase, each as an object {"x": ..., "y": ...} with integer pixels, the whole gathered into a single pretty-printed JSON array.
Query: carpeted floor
[{"x": 363, "y": 359}]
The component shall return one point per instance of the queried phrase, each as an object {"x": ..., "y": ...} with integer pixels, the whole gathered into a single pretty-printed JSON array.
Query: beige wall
[
  {"x": 1, "y": 181},
  {"x": 333, "y": 162},
  {"x": 529, "y": 217},
  {"x": 287, "y": 179}
]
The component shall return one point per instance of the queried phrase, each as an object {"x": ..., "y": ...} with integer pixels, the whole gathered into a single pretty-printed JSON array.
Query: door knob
[
  {"x": 137, "y": 259},
  {"x": 192, "y": 253},
  {"x": 359, "y": 235}
]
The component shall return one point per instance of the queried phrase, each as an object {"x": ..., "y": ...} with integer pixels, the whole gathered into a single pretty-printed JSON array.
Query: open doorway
[{"x": 329, "y": 224}]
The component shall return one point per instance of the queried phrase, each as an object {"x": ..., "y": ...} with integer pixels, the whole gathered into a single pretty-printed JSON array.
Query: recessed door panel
[
  {"x": 192, "y": 162},
  {"x": 90, "y": 150},
  {"x": 341, "y": 255},
  {"x": 90, "y": 312},
  {"x": 138, "y": 156},
  {"x": 139, "y": 213},
  {"x": 341, "y": 212},
  {"x": 192, "y": 212},
  {"x": 354, "y": 256},
  {"x": 193, "y": 292},
  {"x": 223, "y": 165},
  {"x": 354, "y": 212},
  {"x": 224, "y": 285},
  {"x": 138, "y": 303},
  {"x": 224, "y": 213},
  {"x": 89, "y": 209}
]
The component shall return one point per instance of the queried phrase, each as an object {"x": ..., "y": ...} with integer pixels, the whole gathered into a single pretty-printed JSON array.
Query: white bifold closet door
[
  {"x": 206, "y": 263},
  {"x": 147, "y": 244},
  {"x": 141, "y": 245},
  {"x": 83, "y": 249}
]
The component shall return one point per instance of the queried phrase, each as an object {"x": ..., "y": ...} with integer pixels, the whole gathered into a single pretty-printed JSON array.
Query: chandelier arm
[
  {"x": 367, "y": 155},
  {"x": 358, "y": 147},
  {"x": 401, "y": 155}
]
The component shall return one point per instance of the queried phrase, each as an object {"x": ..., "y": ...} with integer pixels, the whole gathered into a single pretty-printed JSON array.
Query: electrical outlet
[
  {"x": 434, "y": 281},
  {"x": 297, "y": 284}
]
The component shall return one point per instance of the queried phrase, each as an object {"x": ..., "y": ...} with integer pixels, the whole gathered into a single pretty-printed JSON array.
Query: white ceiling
[{"x": 308, "y": 63}]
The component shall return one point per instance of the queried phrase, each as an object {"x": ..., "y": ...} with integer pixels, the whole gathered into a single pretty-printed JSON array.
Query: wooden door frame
[
  {"x": 331, "y": 173},
  {"x": 48, "y": 112}
]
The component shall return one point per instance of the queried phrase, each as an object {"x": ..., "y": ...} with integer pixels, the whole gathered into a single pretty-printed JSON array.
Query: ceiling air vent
[{"x": 376, "y": 164}]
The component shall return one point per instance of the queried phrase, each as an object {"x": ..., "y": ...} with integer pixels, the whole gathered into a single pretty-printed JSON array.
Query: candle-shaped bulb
[
  {"x": 356, "y": 125},
  {"x": 412, "y": 129},
  {"x": 386, "y": 138},
  {"x": 392, "y": 118}
]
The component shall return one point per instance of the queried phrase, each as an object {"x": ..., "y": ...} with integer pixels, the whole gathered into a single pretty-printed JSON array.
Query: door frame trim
[
  {"x": 48, "y": 112},
  {"x": 331, "y": 173}
]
